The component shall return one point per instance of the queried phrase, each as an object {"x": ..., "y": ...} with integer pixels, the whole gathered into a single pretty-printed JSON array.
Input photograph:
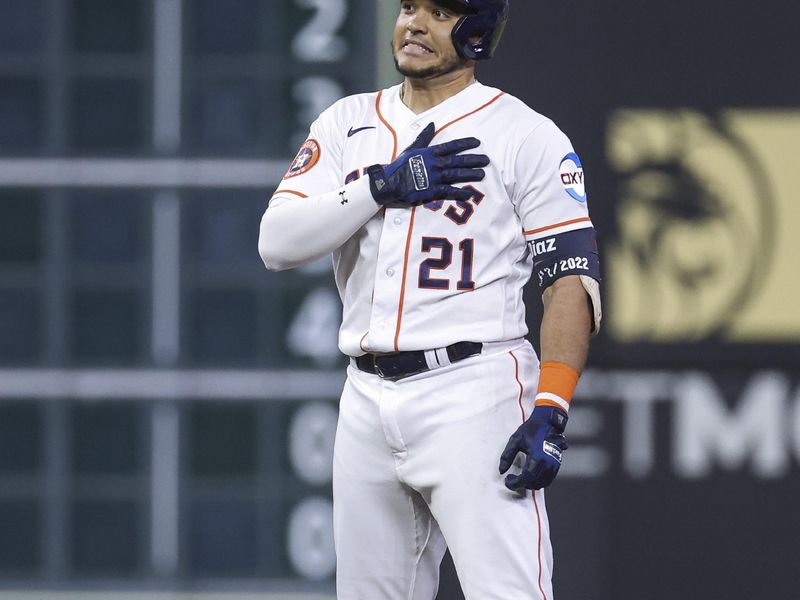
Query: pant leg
[
  {"x": 500, "y": 541},
  {"x": 456, "y": 424},
  {"x": 388, "y": 546}
]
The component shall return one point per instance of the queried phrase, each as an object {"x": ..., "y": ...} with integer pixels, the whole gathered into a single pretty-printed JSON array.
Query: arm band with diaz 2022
[{"x": 571, "y": 253}]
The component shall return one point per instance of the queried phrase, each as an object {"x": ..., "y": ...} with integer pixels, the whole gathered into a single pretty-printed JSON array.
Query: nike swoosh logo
[{"x": 352, "y": 131}]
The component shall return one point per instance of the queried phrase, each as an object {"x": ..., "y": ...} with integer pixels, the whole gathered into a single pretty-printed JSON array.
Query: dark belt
[{"x": 397, "y": 365}]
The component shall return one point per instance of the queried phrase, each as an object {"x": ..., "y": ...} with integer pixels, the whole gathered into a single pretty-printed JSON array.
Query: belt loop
[
  {"x": 431, "y": 359},
  {"x": 376, "y": 366},
  {"x": 442, "y": 357}
]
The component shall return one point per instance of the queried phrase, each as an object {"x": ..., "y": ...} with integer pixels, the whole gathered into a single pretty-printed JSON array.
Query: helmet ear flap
[
  {"x": 477, "y": 35},
  {"x": 458, "y": 36}
]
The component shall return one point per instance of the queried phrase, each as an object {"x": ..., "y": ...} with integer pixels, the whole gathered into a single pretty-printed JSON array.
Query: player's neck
[{"x": 420, "y": 95}]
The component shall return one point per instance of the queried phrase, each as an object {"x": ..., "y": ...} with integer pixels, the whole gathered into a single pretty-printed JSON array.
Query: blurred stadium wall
[{"x": 158, "y": 387}]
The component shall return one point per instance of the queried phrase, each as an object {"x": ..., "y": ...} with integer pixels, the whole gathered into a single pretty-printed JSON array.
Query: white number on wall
[
  {"x": 317, "y": 41},
  {"x": 311, "y": 436},
  {"x": 314, "y": 331},
  {"x": 310, "y": 539}
]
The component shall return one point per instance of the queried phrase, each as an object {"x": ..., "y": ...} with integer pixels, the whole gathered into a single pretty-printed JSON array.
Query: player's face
[{"x": 421, "y": 44}]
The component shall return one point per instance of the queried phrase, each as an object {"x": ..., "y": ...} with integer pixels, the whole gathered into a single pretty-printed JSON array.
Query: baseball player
[{"x": 439, "y": 198}]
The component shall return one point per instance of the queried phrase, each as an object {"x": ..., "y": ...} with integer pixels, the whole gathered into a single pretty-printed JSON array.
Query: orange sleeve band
[
  {"x": 557, "y": 383},
  {"x": 289, "y": 192}
]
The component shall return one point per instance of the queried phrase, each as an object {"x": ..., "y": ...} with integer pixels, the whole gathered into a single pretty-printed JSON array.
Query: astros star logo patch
[{"x": 306, "y": 158}]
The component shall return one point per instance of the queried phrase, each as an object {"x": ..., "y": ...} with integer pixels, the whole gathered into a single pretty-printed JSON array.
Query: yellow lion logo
[{"x": 695, "y": 216}]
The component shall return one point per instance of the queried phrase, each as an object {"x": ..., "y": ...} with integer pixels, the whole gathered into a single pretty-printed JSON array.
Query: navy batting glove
[
  {"x": 423, "y": 173},
  {"x": 541, "y": 439}
]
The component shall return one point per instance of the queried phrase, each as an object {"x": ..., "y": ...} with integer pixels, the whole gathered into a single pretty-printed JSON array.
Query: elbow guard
[{"x": 571, "y": 253}]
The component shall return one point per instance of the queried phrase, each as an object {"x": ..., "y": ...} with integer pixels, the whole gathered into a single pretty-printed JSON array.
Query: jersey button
[
  {"x": 390, "y": 272},
  {"x": 384, "y": 324},
  {"x": 415, "y": 126},
  {"x": 398, "y": 221}
]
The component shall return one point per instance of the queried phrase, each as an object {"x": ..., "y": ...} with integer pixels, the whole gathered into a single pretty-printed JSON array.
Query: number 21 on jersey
[
  {"x": 466, "y": 248},
  {"x": 459, "y": 214}
]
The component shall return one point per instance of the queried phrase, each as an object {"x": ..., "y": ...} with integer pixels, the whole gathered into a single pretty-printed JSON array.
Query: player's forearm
[
  {"x": 566, "y": 324},
  {"x": 304, "y": 229}
]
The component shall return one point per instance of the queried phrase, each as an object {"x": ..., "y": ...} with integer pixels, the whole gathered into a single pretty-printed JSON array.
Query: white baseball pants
[{"x": 416, "y": 471}]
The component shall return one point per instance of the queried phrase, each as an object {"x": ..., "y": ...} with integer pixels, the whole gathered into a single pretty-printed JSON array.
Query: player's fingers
[
  {"x": 512, "y": 482},
  {"x": 509, "y": 454},
  {"x": 447, "y": 192},
  {"x": 424, "y": 138},
  {"x": 532, "y": 473},
  {"x": 462, "y": 175},
  {"x": 517, "y": 483},
  {"x": 470, "y": 161},
  {"x": 456, "y": 146},
  {"x": 538, "y": 473}
]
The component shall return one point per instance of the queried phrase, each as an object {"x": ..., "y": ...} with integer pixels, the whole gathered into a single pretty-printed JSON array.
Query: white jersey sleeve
[
  {"x": 549, "y": 194},
  {"x": 312, "y": 213},
  {"x": 317, "y": 167}
]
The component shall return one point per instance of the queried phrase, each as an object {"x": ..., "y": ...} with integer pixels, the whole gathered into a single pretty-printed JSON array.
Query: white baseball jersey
[{"x": 428, "y": 276}]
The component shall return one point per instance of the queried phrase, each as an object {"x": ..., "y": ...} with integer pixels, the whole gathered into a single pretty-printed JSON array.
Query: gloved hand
[
  {"x": 421, "y": 173},
  {"x": 541, "y": 439}
]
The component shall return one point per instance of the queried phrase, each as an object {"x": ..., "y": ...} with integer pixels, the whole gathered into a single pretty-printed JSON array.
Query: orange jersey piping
[
  {"x": 533, "y": 493},
  {"x": 289, "y": 192},
  {"x": 564, "y": 224},
  {"x": 519, "y": 383},
  {"x": 403, "y": 283},
  {"x": 492, "y": 101},
  {"x": 539, "y": 551},
  {"x": 386, "y": 123}
]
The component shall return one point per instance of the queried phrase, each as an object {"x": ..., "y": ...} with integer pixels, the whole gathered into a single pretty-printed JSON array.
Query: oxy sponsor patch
[
  {"x": 571, "y": 172},
  {"x": 306, "y": 158}
]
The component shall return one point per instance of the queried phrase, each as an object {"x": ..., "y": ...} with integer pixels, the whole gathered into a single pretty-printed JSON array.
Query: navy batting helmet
[{"x": 477, "y": 33}]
